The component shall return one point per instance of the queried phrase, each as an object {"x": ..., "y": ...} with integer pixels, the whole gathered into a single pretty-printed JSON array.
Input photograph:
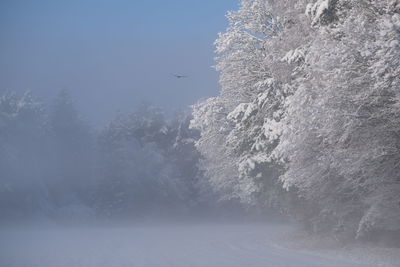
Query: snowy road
[{"x": 199, "y": 245}]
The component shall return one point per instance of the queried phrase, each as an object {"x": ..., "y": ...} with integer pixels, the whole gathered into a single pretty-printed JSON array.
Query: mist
[
  {"x": 111, "y": 56},
  {"x": 212, "y": 133}
]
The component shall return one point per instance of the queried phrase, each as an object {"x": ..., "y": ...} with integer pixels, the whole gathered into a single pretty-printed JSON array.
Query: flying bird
[{"x": 179, "y": 76}]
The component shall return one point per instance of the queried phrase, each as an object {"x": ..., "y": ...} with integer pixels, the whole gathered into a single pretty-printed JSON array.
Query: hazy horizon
[{"x": 112, "y": 55}]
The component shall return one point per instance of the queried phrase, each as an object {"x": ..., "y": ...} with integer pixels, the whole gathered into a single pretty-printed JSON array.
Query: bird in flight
[{"x": 179, "y": 76}]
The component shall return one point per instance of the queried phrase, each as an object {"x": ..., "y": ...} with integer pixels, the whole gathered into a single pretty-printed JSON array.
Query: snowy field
[{"x": 169, "y": 245}]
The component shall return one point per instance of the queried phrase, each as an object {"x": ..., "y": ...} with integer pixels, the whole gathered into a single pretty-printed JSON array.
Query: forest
[
  {"x": 305, "y": 129},
  {"x": 55, "y": 165},
  {"x": 307, "y": 119}
]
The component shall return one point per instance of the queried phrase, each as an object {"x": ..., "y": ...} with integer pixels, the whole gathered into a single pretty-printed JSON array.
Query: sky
[{"x": 112, "y": 55}]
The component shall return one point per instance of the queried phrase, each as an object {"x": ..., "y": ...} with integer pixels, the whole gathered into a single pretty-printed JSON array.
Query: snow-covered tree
[
  {"x": 70, "y": 154},
  {"x": 147, "y": 165},
  {"x": 236, "y": 127},
  {"x": 22, "y": 135},
  {"x": 340, "y": 132},
  {"x": 210, "y": 118},
  {"x": 309, "y": 101}
]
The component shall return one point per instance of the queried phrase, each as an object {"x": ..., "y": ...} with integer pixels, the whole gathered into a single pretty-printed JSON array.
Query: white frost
[{"x": 316, "y": 10}]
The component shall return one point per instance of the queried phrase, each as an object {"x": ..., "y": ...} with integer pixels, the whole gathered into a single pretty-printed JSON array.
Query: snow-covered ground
[{"x": 168, "y": 245}]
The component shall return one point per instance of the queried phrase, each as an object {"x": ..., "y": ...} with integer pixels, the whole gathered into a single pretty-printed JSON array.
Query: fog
[
  {"x": 72, "y": 74},
  {"x": 199, "y": 133},
  {"x": 95, "y": 129},
  {"x": 157, "y": 245},
  {"x": 111, "y": 56}
]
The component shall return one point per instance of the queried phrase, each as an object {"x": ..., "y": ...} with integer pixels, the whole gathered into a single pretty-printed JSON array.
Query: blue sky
[{"x": 112, "y": 55}]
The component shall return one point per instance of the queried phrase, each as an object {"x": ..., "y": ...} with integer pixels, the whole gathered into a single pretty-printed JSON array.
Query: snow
[
  {"x": 242, "y": 112},
  {"x": 264, "y": 83},
  {"x": 168, "y": 245},
  {"x": 316, "y": 10},
  {"x": 294, "y": 56},
  {"x": 238, "y": 113}
]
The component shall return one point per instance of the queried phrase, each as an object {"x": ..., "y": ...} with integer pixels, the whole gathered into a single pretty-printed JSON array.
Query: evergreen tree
[{"x": 70, "y": 151}]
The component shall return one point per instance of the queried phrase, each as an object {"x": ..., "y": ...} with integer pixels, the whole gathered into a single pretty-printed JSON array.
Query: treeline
[
  {"x": 308, "y": 117},
  {"x": 53, "y": 165}
]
